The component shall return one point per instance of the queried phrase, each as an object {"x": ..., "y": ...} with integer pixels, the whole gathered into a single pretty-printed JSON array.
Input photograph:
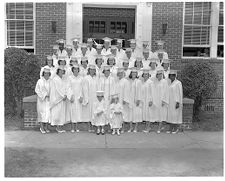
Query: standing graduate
[
  {"x": 107, "y": 44},
  {"x": 126, "y": 68},
  {"x": 42, "y": 90},
  {"x": 135, "y": 52},
  {"x": 160, "y": 98},
  {"x": 175, "y": 102},
  {"x": 139, "y": 65},
  {"x": 90, "y": 86},
  {"x": 99, "y": 113},
  {"x": 99, "y": 67},
  {"x": 147, "y": 55},
  {"x": 75, "y": 96},
  {"x": 122, "y": 88},
  {"x": 146, "y": 100},
  {"x": 61, "y": 51},
  {"x": 84, "y": 66},
  {"x": 120, "y": 51},
  {"x": 107, "y": 84},
  {"x": 166, "y": 66},
  {"x": 91, "y": 51},
  {"x": 111, "y": 62},
  {"x": 129, "y": 57},
  {"x": 76, "y": 48},
  {"x": 135, "y": 113},
  {"x": 160, "y": 52},
  {"x": 153, "y": 66},
  {"x": 58, "y": 100},
  {"x": 116, "y": 115}
]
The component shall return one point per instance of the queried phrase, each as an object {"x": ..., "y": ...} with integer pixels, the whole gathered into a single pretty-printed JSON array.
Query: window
[
  {"x": 118, "y": 27},
  {"x": 20, "y": 25},
  {"x": 220, "y": 32},
  {"x": 196, "y": 40},
  {"x": 97, "y": 26}
]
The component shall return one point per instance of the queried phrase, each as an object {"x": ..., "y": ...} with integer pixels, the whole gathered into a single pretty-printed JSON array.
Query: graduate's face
[
  {"x": 63, "y": 63},
  {"x": 133, "y": 75},
  {"x": 145, "y": 76},
  {"x": 153, "y": 65},
  {"x": 46, "y": 75},
  {"x": 73, "y": 62},
  {"x": 75, "y": 43},
  {"x": 116, "y": 100},
  {"x": 89, "y": 43},
  {"x": 166, "y": 66},
  {"x": 125, "y": 65},
  {"x": 120, "y": 75},
  {"x": 119, "y": 45},
  {"x": 49, "y": 62},
  {"x": 146, "y": 55},
  {"x": 160, "y": 56},
  {"x": 106, "y": 44},
  {"x": 159, "y": 76},
  {"x": 138, "y": 64},
  {"x": 106, "y": 73},
  {"x": 84, "y": 50},
  {"x": 113, "y": 51},
  {"x": 99, "y": 50},
  {"x": 99, "y": 98},
  {"x": 92, "y": 72},
  {"x": 99, "y": 62},
  {"x": 111, "y": 61},
  {"x": 172, "y": 77},
  {"x": 61, "y": 46},
  {"x": 61, "y": 72},
  {"x": 75, "y": 71},
  {"x": 128, "y": 54},
  {"x": 160, "y": 47},
  {"x": 145, "y": 46},
  {"x": 133, "y": 45},
  {"x": 84, "y": 63},
  {"x": 54, "y": 51},
  {"x": 69, "y": 51}
]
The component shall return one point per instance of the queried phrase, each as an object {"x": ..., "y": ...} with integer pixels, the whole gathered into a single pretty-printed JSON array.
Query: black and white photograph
[{"x": 96, "y": 89}]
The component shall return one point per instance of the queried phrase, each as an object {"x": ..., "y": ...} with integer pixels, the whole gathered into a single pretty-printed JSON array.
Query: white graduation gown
[
  {"x": 159, "y": 91},
  {"x": 175, "y": 95},
  {"x": 42, "y": 89},
  {"x": 135, "y": 113},
  {"x": 90, "y": 86},
  {"x": 58, "y": 106},
  {"x": 99, "y": 107},
  {"x": 116, "y": 120},
  {"x": 74, "y": 110},
  {"x": 122, "y": 88},
  {"x": 83, "y": 72},
  {"x": 62, "y": 53},
  {"x": 146, "y": 97}
]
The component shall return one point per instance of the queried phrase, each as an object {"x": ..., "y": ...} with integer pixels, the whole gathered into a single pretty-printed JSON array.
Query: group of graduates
[{"x": 107, "y": 85}]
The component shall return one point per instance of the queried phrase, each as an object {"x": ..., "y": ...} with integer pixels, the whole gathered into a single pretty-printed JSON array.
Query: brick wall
[
  {"x": 109, "y": 12},
  {"x": 45, "y": 14}
]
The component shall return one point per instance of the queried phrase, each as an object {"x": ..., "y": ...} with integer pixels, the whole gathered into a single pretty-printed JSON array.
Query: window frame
[
  {"x": 220, "y": 43},
  {"x": 34, "y": 28},
  {"x": 213, "y": 41}
]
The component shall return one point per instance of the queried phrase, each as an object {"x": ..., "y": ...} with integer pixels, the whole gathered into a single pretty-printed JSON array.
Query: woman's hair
[
  {"x": 46, "y": 62},
  {"x": 135, "y": 64},
  {"x": 114, "y": 63},
  {"x": 74, "y": 68},
  {"x": 151, "y": 63},
  {"x": 130, "y": 76},
  {"x": 96, "y": 61},
  {"x": 46, "y": 72},
  {"x": 88, "y": 73},
  {"x": 124, "y": 62},
  {"x": 104, "y": 71},
  {"x": 83, "y": 61},
  {"x": 143, "y": 74},
  {"x": 57, "y": 72},
  {"x": 60, "y": 61}
]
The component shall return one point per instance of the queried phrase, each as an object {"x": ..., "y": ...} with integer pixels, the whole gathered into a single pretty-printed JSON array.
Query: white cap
[
  {"x": 60, "y": 41},
  {"x": 113, "y": 47},
  {"x": 145, "y": 42},
  {"x": 146, "y": 70},
  {"x": 132, "y": 40},
  {"x": 84, "y": 59},
  {"x": 133, "y": 69},
  {"x": 120, "y": 69},
  {"x": 99, "y": 46},
  {"x": 159, "y": 70},
  {"x": 46, "y": 69},
  {"x": 106, "y": 67},
  {"x": 83, "y": 45},
  {"x": 100, "y": 93},
  {"x": 128, "y": 50},
  {"x": 69, "y": 47},
  {"x": 116, "y": 95},
  {"x": 49, "y": 57},
  {"x": 90, "y": 39},
  {"x": 76, "y": 39},
  {"x": 118, "y": 40},
  {"x": 165, "y": 61},
  {"x": 107, "y": 39},
  {"x": 146, "y": 50},
  {"x": 173, "y": 72},
  {"x": 62, "y": 57},
  {"x": 91, "y": 66}
]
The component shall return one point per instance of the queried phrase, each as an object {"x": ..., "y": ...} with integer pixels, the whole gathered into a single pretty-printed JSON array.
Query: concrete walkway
[{"x": 30, "y": 153}]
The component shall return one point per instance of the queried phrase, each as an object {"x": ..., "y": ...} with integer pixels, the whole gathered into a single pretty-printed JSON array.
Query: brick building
[{"x": 193, "y": 31}]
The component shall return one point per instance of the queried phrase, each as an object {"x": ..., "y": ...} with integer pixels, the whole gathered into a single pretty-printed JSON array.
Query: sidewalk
[{"x": 131, "y": 154}]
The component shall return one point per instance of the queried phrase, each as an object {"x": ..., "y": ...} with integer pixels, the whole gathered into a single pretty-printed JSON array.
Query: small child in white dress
[
  {"x": 99, "y": 113},
  {"x": 116, "y": 114}
]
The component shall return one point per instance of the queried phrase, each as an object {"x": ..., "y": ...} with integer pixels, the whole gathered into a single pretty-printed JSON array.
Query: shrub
[
  {"x": 199, "y": 82},
  {"x": 21, "y": 73}
]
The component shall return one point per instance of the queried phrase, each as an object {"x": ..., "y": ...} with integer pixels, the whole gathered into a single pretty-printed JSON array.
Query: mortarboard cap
[
  {"x": 118, "y": 40},
  {"x": 55, "y": 47},
  {"x": 106, "y": 67},
  {"x": 49, "y": 57},
  {"x": 99, "y": 57},
  {"x": 46, "y": 69},
  {"x": 90, "y": 39},
  {"x": 159, "y": 70},
  {"x": 133, "y": 69},
  {"x": 91, "y": 66},
  {"x": 145, "y": 42},
  {"x": 128, "y": 50},
  {"x": 99, "y": 46},
  {"x": 110, "y": 56},
  {"x": 73, "y": 58},
  {"x": 146, "y": 50},
  {"x": 160, "y": 42},
  {"x": 70, "y": 47},
  {"x": 61, "y": 67},
  {"x": 154, "y": 60},
  {"x": 125, "y": 60},
  {"x": 84, "y": 59},
  {"x": 107, "y": 39},
  {"x": 116, "y": 95},
  {"x": 83, "y": 45},
  {"x": 144, "y": 71},
  {"x": 120, "y": 69},
  {"x": 173, "y": 72},
  {"x": 61, "y": 41},
  {"x": 138, "y": 59},
  {"x": 76, "y": 39},
  {"x": 100, "y": 93},
  {"x": 132, "y": 40},
  {"x": 76, "y": 66}
]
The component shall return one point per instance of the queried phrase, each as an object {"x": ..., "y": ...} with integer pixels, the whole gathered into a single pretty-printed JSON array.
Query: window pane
[
  {"x": 113, "y": 27},
  {"x": 91, "y": 26},
  {"x": 20, "y": 25},
  {"x": 96, "y": 27},
  {"x": 11, "y": 35},
  {"x": 19, "y": 10},
  {"x": 29, "y": 39},
  {"x": 29, "y": 25},
  {"x": 118, "y": 27},
  {"x": 221, "y": 14},
  {"x": 196, "y": 52},
  {"x": 102, "y": 27},
  {"x": 19, "y": 38},
  {"x": 10, "y": 11},
  {"x": 220, "y": 34},
  {"x": 220, "y": 51},
  {"x": 124, "y": 27}
]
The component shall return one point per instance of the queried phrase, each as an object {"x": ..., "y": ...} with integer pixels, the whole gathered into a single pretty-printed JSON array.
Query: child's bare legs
[
  {"x": 135, "y": 128},
  {"x": 130, "y": 127},
  {"x": 159, "y": 127},
  {"x": 72, "y": 127},
  {"x": 77, "y": 130},
  {"x": 98, "y": 130}
]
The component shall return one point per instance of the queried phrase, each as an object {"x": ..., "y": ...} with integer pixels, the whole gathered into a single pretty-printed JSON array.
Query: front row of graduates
[{"x": 108, "y": 100}]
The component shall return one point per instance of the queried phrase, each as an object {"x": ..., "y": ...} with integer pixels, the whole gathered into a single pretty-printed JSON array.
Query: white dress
[
  {"x": 135, "y": 113},
  {"x": 122, "y": 88},
  {"x": 159, "y": 93},
  {"x": 83, "y": 72},
  {"x": 90, "y": 86},
  {"x": 74, "y": 110},
  {"x": 175, "y": 95},
  {"x": 57, "y": 105},
  {"x": 146, "y": 98},
  {"x": 99, "y": 107},
  {"x": 116, "y": 120},
  {"x": 42, "y": 89}
]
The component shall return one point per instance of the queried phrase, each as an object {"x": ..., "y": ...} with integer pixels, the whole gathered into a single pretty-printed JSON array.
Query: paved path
[{"x": 29, "y": 153}]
